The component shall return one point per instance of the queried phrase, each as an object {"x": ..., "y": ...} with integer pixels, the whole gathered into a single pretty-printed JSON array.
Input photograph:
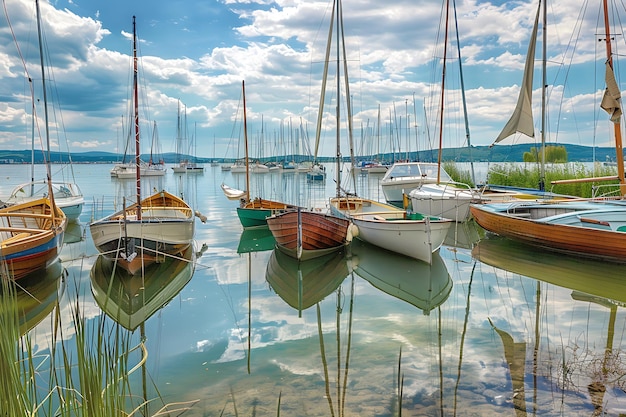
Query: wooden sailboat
[
  {"x": 311, "y": 233},
  {"x": 593, "y": 229},
  {"x": 385, "y": 225},
  {"x": 144, "y": 232},
  {"x": 252, "y": 213},
  {"x": 31, "y": 233}
]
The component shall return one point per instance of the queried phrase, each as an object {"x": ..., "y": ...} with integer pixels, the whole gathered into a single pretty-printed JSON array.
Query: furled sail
[
  {"x": 522, "y": 118},
  {"x": 611, "y": 101}
]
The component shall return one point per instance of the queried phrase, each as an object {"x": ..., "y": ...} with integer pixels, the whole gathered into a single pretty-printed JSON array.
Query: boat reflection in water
[
  {"x": 36, "y": 295},
  {"x": 597, "y": 278},
  {"x": 588, "y": 368},
  {"x": 257, "y": 239},
  {"x": 426, "y": 286},
  {"x": 131, "y": 299},
  {"x": 302, "y": 284}
]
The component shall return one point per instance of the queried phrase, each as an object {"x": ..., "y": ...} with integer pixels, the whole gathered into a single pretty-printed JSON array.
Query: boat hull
[
  {"x": 416, "y": 239},
  {"x": 587, "y": 233},
  {"x": 391, "y": 228},
  {"x": 319, "y": 233},
  {"x": 442, "y": 200},
  {"x": 35, "y": 243},
  {"x": 255, "y": 213}
]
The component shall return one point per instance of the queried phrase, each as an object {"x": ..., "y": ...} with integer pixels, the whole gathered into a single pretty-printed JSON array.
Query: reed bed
[
  {"x": 528, "y": 176},
  {"x": 87, "y": 373}
]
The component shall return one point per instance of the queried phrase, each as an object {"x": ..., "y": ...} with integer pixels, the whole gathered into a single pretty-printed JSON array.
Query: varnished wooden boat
[
  {"x": 166, "y": 226},
  {"x": 590, "y": 230},
  {"x": 31, "y": 236},
  {"x": 306, "y": 234}
]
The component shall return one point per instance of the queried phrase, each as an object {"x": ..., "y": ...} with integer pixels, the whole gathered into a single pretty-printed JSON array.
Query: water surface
[{"x": 490, "y": 328}]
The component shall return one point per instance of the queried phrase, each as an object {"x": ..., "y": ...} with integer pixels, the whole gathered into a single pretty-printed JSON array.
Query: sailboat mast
[
  {"x": 616, "y": 126},
  {"x": 544, "y": 45},
  {"x": 136, "y": 117},
  {"x": 245, "y": 140},
  {"x": 338, "y": 115},
  {"x": 443, "y": 84},
  {"x": 465, "y": 117},
  {"x": 45, "y": 110}
]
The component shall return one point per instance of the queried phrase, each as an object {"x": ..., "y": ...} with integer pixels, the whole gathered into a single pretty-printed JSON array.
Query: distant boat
[
  {"x": 161, "y": 224},
  {"x": 131, "y": 299},
  {"x": 184, "y": 165}
]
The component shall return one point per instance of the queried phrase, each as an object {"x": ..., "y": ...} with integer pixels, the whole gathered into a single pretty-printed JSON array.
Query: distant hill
[{"x": 499, "y": 153}]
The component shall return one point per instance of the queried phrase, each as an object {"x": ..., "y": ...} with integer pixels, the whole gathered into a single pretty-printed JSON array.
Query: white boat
[
  {"x": 146, "y": 231},
  {"x": 403, "y": 177},
  {"x": 67, "y": 196},
  {"x": 392, "y": 228},
  {"x": 444, "y": 199}
]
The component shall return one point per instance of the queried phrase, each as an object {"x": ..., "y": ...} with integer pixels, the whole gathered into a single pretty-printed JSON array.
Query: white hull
[
  {"x": 391, "y": 228},
  {"x": 403, "y": 177},
  {"x": 416, "y": 240},
  {"x": 155, "y": 229},
  {"x": 67, "y": 196},
  {"x": 444, "y": 201}
]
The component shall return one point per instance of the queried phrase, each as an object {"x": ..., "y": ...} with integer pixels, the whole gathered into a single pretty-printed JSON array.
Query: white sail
[{"x": 522, "y": 118}]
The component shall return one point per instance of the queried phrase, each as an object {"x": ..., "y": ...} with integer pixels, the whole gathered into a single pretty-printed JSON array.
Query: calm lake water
[{"x": 490, "y": 328}]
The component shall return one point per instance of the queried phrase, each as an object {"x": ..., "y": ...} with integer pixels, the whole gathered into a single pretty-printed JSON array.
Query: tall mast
[
  {"x": 136, "y": 117},
  {"x": 45, "y": 109},
  {"x": 245, "y": 140},
  {"x": 619, "y": 154},
  {"x": 544, "y": 44},
  {"x": 443, "y": 84},
  {"x": 338, "y": 116},
  {"x": 465, "y": 117}
]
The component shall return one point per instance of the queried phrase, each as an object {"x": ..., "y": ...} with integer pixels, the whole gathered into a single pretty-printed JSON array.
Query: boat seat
[{"x": 621, "y": 229}]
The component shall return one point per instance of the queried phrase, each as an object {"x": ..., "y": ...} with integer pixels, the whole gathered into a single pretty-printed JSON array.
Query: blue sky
[{"x": 198, "y": 52}]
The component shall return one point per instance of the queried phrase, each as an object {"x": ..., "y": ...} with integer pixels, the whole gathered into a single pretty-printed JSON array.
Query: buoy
[{"x": 353, "y": 231}]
